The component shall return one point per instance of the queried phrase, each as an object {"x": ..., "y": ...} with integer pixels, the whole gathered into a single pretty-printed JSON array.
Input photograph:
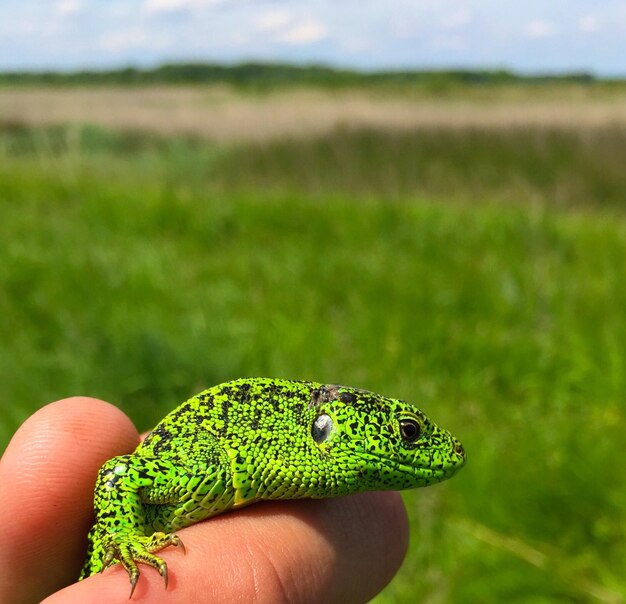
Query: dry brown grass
[{"x": 221, "y": 114}]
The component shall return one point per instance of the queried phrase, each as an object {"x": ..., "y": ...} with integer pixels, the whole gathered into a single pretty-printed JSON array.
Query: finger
[
  {"x": 336, "y": 550},
  {"x": 47, "y": 475}
]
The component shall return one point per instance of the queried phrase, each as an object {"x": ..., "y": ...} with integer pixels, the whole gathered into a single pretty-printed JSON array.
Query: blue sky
[{"x": 533, "y": 35}]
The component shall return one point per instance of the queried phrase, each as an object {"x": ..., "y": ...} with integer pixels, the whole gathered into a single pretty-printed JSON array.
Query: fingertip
[
  {"x": 48, "y": 472},
  {"x": 55, "y": 453},
  {"x": 75, "y": 421}
]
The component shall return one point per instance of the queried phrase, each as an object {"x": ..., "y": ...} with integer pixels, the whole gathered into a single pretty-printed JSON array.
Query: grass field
[{"x": 480, "y": 273}]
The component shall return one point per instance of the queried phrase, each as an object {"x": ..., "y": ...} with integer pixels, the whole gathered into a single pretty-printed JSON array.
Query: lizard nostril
[{"x": 459, "y": 450}]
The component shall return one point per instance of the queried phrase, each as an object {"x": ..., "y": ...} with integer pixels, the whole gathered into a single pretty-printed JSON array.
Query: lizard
[{"x": 252, "y": 439}]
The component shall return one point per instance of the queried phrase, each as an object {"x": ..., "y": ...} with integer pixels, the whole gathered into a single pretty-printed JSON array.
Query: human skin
[{"x": 336, "y": 550}]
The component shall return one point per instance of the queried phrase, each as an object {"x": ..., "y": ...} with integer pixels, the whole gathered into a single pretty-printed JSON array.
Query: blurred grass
[
  {"x": 480, "y": 275},
  {"x": 554, "y": 166}
]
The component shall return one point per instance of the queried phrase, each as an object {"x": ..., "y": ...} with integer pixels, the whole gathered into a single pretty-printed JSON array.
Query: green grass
[
  {"x": 141, "y": 270},
  {"x": 557, "y": 167}
]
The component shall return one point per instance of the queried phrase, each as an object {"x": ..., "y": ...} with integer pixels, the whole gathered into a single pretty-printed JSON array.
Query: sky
[{"x": 529, "y": 36}]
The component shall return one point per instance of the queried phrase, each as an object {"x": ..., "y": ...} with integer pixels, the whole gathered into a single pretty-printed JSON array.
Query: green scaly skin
[{"x": 253, "y": 439}]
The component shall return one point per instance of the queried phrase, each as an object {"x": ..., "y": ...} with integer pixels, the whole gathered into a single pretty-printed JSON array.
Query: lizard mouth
[{"x": 436, "y": 472}]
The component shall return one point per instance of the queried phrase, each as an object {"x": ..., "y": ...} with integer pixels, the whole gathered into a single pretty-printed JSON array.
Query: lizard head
[{"x": 396, "y": 445}]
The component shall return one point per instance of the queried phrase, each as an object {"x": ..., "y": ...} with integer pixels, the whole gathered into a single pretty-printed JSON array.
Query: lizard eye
[
  {"x": 322, "y": 428},
  {"x": 410, "y": 430}
]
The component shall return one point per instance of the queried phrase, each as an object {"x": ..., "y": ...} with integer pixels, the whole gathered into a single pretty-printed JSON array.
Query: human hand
[{"x": 335, "y": 550}]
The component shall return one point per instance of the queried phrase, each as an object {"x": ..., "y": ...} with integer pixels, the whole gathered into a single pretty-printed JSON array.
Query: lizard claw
[
  {"x": 163, "y": 573},
  {"x": 178, "y": 542},
  {"x": 108, "y": 558},
  {"x": 130, "y": 549},
  {"x": 133, "y": 583}
]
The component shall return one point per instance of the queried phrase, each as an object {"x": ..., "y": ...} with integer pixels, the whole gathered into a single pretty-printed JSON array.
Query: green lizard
[{"x": 253, "y": 439}]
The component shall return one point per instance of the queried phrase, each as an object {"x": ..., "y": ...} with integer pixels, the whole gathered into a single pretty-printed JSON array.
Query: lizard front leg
[
  {"x": 141, "y": 499},
  {"x": 123, "y": 531}
]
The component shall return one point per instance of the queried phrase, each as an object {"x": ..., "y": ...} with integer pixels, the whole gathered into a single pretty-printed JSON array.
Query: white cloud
[
  {"x": 274, "y": 21},
  {"x": 539, "y": 29},
  {"x": 283, "y": 26},
  {"x": 168, "y": 6},
  {"x": 589, "y": 24},
  {"x": 457, "y": 19},
  {"x": 304, "y": 33},
  {"x": 68, "y": 7}
]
